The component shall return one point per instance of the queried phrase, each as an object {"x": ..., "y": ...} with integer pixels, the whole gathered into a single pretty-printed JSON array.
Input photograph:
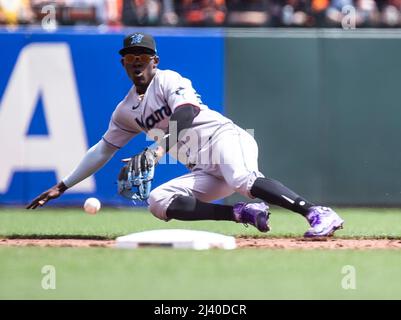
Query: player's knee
[
  {"x": 158, "y": 203},
  {"x": 182, "y": 203}
]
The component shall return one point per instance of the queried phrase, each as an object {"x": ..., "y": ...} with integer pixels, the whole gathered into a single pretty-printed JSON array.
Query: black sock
[
  {"x": 276, "y": 193},
  {"x": 189, "y": 208}
]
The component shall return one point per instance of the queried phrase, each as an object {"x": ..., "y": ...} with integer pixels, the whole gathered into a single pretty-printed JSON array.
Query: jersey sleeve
[
  {"x": 117, "y": 134},
  {"x": 179, "y": 91}
]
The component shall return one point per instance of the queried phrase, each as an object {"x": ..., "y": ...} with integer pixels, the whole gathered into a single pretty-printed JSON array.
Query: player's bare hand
[{"x": 53, "y": 193}]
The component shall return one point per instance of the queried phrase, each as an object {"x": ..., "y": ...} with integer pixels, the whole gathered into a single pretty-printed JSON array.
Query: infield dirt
[{"x": 242, "y": 242}]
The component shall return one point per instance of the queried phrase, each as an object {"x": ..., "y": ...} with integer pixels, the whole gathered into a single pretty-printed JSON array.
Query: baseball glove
[{"x": 135, "y": 178}]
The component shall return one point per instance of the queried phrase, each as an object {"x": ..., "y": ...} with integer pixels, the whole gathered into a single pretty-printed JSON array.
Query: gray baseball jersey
[
  {"x": 167, "y": 91},
  {"x": 228, "y": 153}
]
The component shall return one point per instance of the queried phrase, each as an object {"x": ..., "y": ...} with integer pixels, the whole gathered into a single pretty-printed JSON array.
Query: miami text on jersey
[{"x": 154, "y": 118}]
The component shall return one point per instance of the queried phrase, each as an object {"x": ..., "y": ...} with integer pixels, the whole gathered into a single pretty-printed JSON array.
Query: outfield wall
[
  {"x": 325, "y": 106},
  {"x": 326, "y": 109}
]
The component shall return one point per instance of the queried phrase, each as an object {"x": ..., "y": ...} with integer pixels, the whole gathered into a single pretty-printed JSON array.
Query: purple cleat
[
  {"x": 256, "y": 214},
  {"x": 323, "y": 221}
]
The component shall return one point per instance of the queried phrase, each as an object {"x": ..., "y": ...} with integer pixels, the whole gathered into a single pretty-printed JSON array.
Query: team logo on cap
[{"x": 136, "y": 38}]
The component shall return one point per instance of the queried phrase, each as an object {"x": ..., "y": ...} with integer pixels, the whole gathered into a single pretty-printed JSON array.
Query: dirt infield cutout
[
  {"x": 242, "y": 242},
  {"x": 320, "y": 243}
]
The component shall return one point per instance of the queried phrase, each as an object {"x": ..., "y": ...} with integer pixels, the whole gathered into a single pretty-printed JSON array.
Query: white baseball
[{"x": 92, "y": 205}]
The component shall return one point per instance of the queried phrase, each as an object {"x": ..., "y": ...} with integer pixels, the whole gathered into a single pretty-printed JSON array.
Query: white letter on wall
[{"x": 44, "y": 69}]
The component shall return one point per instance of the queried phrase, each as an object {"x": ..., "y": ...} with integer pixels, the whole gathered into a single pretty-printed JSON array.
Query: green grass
[
  {"x": 105, "y": 273},
  {"x": 175, "y": 274},
  {"x": 110, "y": 223}
]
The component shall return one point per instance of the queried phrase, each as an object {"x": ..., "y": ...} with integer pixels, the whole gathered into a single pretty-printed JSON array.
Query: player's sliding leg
[
  {"x": 189, "y": 208},
  {"x": 188, "y": 198},
  {"x": 276, "y": 193},
  {"x": 323, "y": 221},
  {"x": 240, "y": 171}
]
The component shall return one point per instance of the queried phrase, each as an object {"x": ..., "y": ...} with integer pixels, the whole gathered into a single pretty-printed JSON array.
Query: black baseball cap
[{"x": 135, "y": 40}]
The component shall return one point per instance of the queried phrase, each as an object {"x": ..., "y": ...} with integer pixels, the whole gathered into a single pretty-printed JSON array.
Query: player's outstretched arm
[
  {"x": 54, "y": 192},
  {"x": 95, "y": 158}
]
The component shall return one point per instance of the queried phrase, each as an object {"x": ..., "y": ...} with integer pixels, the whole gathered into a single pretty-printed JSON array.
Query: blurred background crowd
[{"x": 211, "y": 13}]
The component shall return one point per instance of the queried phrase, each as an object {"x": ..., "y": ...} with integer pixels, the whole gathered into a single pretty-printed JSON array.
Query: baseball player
[{"x": 222, "y": 157}]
